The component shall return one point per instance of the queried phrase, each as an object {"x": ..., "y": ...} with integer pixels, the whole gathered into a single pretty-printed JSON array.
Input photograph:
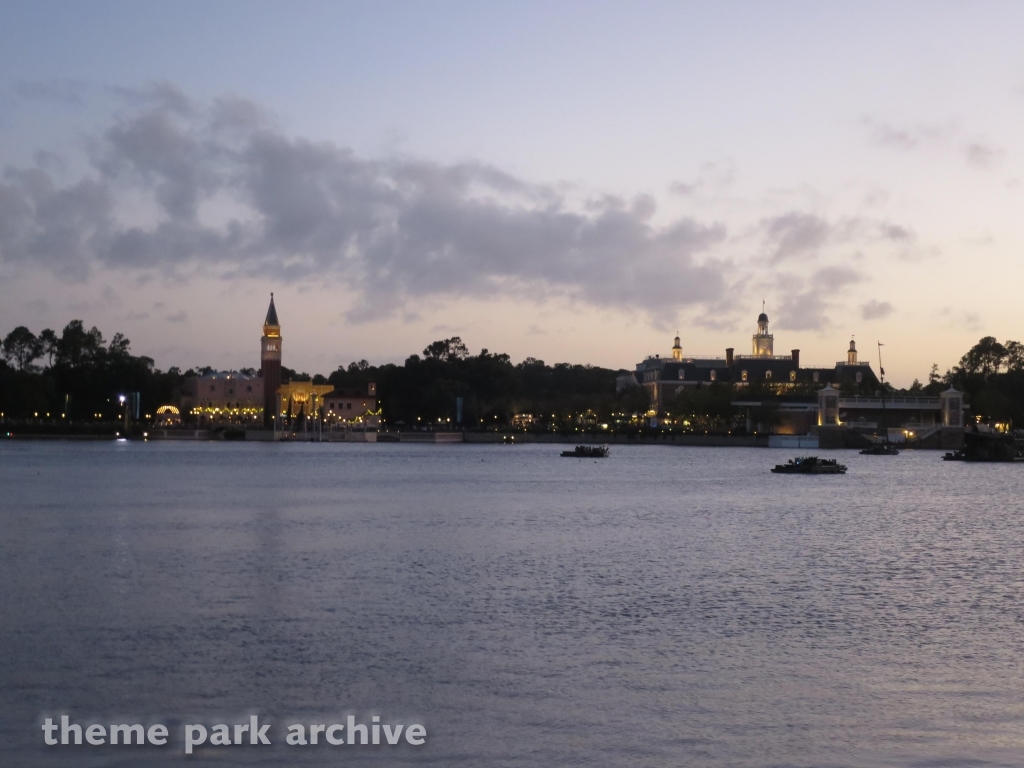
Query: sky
[{"x": 569, "y": 181}]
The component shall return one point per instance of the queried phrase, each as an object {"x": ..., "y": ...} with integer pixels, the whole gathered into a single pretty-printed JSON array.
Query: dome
[{"x": 762, "y": 318}]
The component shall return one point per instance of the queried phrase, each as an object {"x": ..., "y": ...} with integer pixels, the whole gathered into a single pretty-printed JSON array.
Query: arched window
[
  {"x": 860, "y": 377},
  {"x": 767, "y": 374},
  {"x": 815, "y": 376},
  {"x": 792, "y": 375},
  {"x": 714, "y": 377},
  {"x": 682, "y": 374},
  {"x": 743, "y": 376}
]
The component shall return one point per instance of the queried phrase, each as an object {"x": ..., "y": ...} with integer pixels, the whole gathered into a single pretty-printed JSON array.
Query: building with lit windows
[
  {"x": 223, "y": 396},
  {"x": 302, "y": 397},
  {"x": 830, "y": 400},
  {"x": 352, "y": 407},
  {"x": 664, "y": 378},
  {"x": 240, "y": 398}
]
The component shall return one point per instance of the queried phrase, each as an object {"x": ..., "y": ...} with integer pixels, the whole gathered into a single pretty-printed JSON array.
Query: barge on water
[
  {"x": 810, "y": 465},
  {"x": 587, "y": 452},
  {"x": 881, "y": 449}
]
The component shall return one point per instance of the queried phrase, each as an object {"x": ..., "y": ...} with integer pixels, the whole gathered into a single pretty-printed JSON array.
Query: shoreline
[{"x": 473, "y": 438}]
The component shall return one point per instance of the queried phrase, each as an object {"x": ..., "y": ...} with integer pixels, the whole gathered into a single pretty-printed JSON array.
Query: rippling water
[{"x": 664, "y": 607}]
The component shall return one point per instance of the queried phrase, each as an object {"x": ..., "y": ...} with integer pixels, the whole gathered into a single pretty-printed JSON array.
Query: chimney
[
  {"x": 728, "y": 356},
  {"x": 796, "y": 358}
]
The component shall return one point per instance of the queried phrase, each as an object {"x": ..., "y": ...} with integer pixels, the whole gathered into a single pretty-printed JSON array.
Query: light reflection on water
[{"x": 667, "y": 606}]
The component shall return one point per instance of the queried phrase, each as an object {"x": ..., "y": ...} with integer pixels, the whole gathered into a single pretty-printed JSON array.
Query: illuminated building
[
  {"x": 223, "y": 396},
  {"x": 664, "y": 378},
  {"x": 270, "y": 363},
  {"x": 242, "y": 398},
  {"x": 302, "y": 397},
  {"x": 763, "y": 343},
  {"x": 354, "y": 407}
]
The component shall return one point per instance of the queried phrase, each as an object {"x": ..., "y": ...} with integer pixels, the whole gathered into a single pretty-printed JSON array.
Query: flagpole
[{"x": 881, "y": 372}]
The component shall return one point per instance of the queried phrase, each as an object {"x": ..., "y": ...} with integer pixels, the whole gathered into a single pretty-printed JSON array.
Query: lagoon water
[{"x": 664, "y": 607}]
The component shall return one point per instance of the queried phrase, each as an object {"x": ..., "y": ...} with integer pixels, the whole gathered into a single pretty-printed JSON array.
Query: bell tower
[
  {"x": 763, "y": 343},
  {"x": 851, "y": 355},
  {"x": 677, "y": 349},
  {"x": 270, "y": 363}
]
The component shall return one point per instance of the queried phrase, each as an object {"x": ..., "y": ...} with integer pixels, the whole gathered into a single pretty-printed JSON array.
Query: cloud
[
  {"x": 970, "y": 321},
  {"x": 834, "y": 279},
  {"x": 803, "y": 312},
  {"x": 228, "y": 193},
  {"x": 902, "y": 138},
  {"x": 711, "y": 176},
  {"x": 977, "y": 152},
  {"x": 178, "y": 317},
  {"x": 982, "y": 155},
  {"x": 961, "y": 321},
  {"x": 895, "y": 232},
  {"x": 876, "y": 310},
  {"x": 795, "y": 234}
]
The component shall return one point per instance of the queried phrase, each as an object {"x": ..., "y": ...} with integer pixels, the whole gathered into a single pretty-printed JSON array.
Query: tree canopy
[{"x": 78, "y": 372}]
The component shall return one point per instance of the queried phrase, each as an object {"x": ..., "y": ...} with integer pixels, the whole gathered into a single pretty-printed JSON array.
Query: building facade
[
  {"x": 302, "y": 397},
  {"x": 664, "y": 378},
  {"x": 240, "y": 398},
  {"x": 223, "y": 397},
  {"x": 352, "y": 407}
]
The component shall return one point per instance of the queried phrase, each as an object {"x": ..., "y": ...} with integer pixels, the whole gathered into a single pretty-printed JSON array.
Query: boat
[
  {"x": 810, "y": 465},
  {"x": 881, "y": 449},
  {"x": 587, "y": 452},
  {"x": 954, "y": 456}
]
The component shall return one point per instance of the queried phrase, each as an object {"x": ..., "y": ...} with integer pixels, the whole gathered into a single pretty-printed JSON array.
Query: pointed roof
[{"x": 271, "y": 313}]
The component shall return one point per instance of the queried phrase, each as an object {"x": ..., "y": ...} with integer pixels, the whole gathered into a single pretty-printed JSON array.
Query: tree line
[
  {"x": 991, "y": 376},
  {"x": 82, "y": 376},
  {"x": 426, "y": 389},
  {"x": 78, "y": 375}
]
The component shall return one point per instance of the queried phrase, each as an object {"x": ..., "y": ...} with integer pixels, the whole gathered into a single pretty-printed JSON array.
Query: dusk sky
[{"x": 570, "y": 181}]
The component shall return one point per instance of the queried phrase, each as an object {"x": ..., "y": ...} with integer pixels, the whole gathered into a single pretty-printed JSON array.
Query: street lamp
[{"x": 122, "y": 399}]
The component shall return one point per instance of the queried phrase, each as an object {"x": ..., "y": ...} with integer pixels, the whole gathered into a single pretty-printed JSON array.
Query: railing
[
  {"x": 762, "y": 357},
  {"x": 901, "y": 402},
  {"x": 862, "y": 362}
]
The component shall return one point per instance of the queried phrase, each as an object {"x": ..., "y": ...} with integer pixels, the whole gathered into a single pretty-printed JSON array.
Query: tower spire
[{"x": 271, "y": 322}]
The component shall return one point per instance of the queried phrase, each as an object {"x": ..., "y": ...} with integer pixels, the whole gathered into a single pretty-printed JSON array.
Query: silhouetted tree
[{"x": 22, "y": 348}]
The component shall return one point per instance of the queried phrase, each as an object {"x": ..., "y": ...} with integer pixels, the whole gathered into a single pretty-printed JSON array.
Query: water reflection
[{"x": 666, "y": 606}]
